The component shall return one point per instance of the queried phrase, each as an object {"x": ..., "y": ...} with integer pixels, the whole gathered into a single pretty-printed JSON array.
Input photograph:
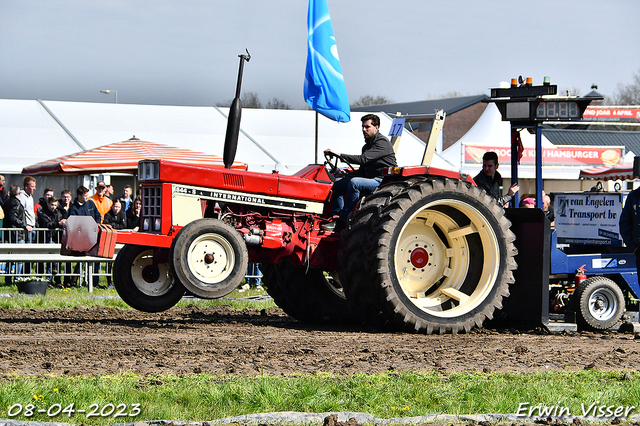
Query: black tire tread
[
  {"x": 355, "y": 274},
  {"x": 304, "y": 295}
]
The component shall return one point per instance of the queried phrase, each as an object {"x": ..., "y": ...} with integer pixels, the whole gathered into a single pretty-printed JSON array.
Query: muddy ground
[{"x": 98, "y": 340}]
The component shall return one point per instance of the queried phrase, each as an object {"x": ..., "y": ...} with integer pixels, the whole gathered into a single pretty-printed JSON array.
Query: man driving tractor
[{"x": 377, "y": 153}]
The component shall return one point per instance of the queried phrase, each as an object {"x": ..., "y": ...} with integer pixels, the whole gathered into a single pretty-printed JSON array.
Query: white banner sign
[{"x": 588, "y": 218}]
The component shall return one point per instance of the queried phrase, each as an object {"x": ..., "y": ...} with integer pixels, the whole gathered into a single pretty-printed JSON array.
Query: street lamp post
[{"x": 115, "y": 92}]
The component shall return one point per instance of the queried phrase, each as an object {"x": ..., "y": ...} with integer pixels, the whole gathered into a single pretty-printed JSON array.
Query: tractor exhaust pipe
[{"x": 233, "y": 122}]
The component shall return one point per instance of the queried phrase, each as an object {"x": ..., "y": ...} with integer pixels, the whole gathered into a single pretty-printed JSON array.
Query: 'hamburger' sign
[{"x": 560, "y": 156}]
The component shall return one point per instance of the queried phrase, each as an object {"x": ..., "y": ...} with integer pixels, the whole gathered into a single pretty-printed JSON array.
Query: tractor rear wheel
[
  {"x": 599, "y": 303},
  {"x": 143, "y": 282},
  {"x": 443, "y": 257},
  {"x": 355, "y": 273},
  {"x": 209, "y": 257},
  {"x": 307, "y": 295}
]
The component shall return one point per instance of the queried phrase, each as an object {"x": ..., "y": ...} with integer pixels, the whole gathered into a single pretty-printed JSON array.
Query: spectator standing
[
  {"x": 528, "y": 203},
  {"x": 126, "y": 197},
  {"x": 16, "y": 219},
  {"x": 64, "y": 203},
  {"x": 109, "y": 193},
  {"x": 51, "y": 218},
  {"x": 83, "y": 205},
  {"x": 547, "y": 208},
  {"x": 26, "y": 199},
  {"x": 630, "y": 223},
  {"x": 116, "y": 217},
  {"x": 48, "y": 193},
  {"x": 100, "y": 199},
  {"x": 490, "y": 179},
  {"x": 117, "y": 220},
  {"x": 1, "y": 218},
  {"x": 4, "y": 192},
  {"x": 4, "y": 197},
  {"x": 133, "y": 215}
]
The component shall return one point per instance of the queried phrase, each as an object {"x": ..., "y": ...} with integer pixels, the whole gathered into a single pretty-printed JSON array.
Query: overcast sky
[{"x": 185, "y": 52}]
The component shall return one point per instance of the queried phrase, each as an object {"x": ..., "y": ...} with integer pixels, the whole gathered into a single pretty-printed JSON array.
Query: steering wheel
[{"x": 333, "y": 170}]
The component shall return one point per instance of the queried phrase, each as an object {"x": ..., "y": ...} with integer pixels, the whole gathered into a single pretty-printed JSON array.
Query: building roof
[
  {"x": 448, "y": 105},
  {"x": 630, "y": 140}
]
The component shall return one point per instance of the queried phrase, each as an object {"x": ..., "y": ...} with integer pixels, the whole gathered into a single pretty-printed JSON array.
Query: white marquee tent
[{"x": 32, "y": 131}]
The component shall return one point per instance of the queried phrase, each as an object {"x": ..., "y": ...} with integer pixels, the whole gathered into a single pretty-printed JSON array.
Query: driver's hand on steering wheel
[{"x": 330, "y": 152}]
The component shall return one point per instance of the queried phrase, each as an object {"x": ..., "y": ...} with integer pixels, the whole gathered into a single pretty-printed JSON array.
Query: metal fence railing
[{"x": 38, "y": 235}]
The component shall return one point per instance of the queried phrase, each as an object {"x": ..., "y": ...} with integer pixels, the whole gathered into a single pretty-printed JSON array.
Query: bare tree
[
  {"x": 450, "y": 94},
  {"x": 275, "y": 103},
  {"x": 368, "y": 100},
  {"x": 628, "y": 94},
  {"x": 249, "y": 100}
]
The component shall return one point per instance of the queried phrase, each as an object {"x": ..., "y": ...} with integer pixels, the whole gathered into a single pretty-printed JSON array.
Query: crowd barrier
[{"x": 43, "y": 258}]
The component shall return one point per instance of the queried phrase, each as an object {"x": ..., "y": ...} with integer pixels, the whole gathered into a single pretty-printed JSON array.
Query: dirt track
[{"x": 186, "y": 340}]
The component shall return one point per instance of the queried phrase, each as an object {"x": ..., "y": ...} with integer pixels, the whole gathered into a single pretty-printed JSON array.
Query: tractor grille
[
  {"x": 151, "y": 208},
  {"x": 233, "y": 180}
]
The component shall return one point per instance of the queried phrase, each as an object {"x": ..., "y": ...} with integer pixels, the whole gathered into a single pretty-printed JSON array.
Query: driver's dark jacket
[
  {"x": 630, "y": 220},
  {"x": 377, "y": 153}
]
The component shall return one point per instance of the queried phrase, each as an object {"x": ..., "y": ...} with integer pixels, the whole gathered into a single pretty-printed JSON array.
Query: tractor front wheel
[{"x": 209, "y": 257}]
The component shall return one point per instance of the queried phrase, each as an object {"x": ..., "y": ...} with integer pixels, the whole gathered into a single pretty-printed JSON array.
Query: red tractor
[{"x": 427, "y": 250}]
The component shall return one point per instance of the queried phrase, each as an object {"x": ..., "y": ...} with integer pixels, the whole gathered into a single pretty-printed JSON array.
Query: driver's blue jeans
[{"x": 354, "y": 188}]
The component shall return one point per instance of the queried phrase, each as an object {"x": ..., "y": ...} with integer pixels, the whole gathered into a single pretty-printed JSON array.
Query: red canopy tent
[
  {"x": 123, "y": 157},
  {"x": 617, "y": 172}
]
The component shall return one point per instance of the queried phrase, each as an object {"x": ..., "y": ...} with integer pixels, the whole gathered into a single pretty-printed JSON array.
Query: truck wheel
[
  {"x": 143, "y": 285},
  {"x": 355, "y": 274},
  {"x": 600, "y": 303},
  {"x": 209, "y": 257},
  {"x": 307, "y": 295},
  {"x": 444, "y": 257}
]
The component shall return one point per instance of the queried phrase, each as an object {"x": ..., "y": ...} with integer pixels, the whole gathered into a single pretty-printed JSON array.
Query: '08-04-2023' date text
[{"x": 94, "y": 410}]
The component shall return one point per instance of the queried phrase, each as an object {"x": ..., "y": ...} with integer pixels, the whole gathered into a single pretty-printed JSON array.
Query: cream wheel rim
[{"x": 432, "y": 259}]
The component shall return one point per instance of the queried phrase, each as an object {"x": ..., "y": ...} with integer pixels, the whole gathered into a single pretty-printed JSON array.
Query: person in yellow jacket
[{"x": 100, "y": 199}]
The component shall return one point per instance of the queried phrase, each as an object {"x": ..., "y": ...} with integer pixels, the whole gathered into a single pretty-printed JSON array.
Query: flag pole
[{"x": 316, "y": 151}]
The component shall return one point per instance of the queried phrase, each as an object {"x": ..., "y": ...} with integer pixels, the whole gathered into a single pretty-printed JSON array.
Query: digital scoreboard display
[
  {"x": 555, "y": 110},
  {"x": 528, "y": 104}
]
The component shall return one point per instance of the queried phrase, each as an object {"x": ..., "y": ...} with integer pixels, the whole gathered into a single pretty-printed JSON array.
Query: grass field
[
  {"x": 202, "y": 397},
  {"x": 128, "y": 397},
  {"x": 70, "y": 297}
]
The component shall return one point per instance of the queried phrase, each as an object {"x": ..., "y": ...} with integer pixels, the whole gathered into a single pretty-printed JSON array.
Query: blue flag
[{"x": 324, "y": 88}]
